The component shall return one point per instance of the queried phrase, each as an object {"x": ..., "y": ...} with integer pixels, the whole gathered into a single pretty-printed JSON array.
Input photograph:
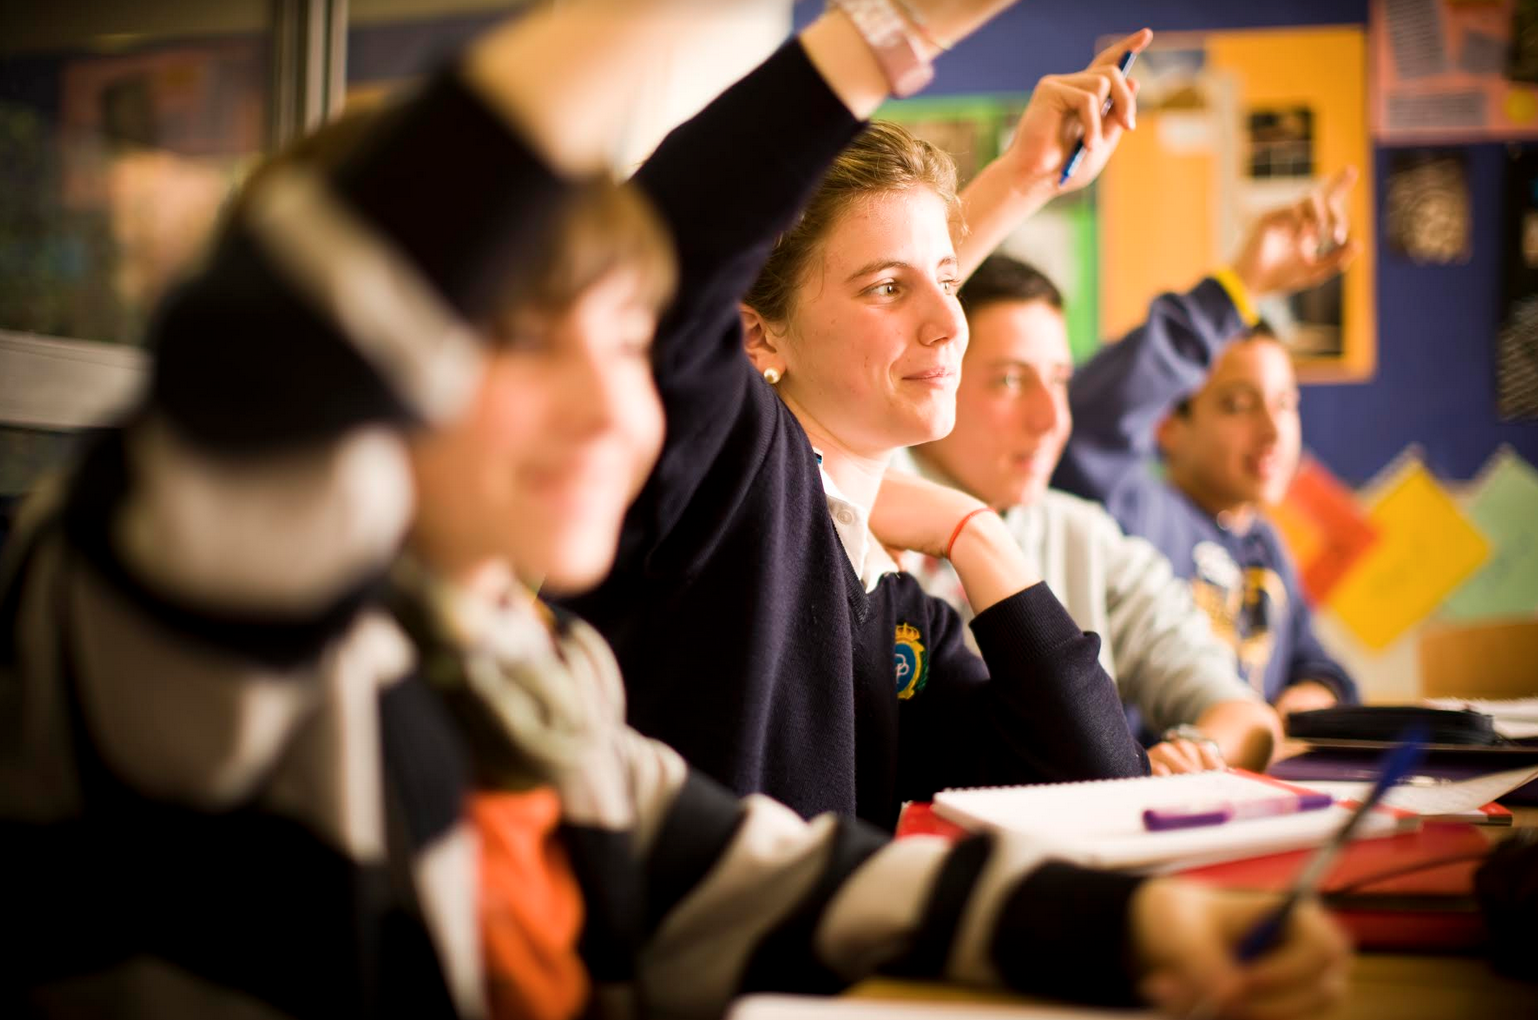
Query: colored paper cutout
[
  {"x": 1426, "y": 547},
  {"x": 1324, "y": 527},
  {"x": 1503, "y": 503}
]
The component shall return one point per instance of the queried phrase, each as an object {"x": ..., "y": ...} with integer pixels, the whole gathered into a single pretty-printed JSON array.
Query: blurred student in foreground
[
  {"x": 236, "y": 776},
  {"x": 1220, "y": 402},
  {"x": 1012, "y": 420}
]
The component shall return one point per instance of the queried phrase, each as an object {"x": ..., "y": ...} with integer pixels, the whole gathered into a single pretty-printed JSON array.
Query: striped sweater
[{"x": 233, "y": 771}]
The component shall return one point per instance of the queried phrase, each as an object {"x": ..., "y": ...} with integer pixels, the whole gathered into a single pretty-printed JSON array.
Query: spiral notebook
[{"x": 1101, "y": 823}]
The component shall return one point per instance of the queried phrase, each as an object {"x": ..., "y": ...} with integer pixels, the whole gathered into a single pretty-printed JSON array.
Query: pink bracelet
[{"x": 961, "y": 524}]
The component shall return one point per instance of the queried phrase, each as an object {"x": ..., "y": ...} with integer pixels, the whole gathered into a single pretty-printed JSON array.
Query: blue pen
[
  {"x": 1074, "y": 158},
  {"x": 1397, "y": 763}
]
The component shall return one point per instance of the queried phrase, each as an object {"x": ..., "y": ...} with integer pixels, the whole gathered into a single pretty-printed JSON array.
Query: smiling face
[
  {"x": 566, "y": 422},
  {"x": 1012, "y": 416},
  {"x": 1236, "y": 445},
  {"x": 563, "y": 429},
  {"x": 873, "y": 342}
]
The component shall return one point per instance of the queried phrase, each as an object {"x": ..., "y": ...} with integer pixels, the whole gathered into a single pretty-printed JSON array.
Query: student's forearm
[
  {"x": 992, "y": 206},
  {"x": 1247, "y": 732},
  {"x": 846, "y": 63},
  {"x": 566, "y": 74},
  {"x": 990, "y": 562}
]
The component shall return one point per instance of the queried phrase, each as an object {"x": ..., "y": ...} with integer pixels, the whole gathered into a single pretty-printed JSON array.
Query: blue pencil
[
  {"x": 1074, "y": 158},
  {"x": 1397, "y": 763}
]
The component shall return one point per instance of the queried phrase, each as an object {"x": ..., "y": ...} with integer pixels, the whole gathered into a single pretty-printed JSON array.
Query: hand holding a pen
[
  {"x": 1184, "y": 938},
  {"x": 1065, "y": 109},
  {"x": 1296, "y": 246}
]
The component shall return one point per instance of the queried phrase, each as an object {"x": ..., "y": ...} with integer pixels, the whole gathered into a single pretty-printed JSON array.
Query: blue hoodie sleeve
[
  {"x": 1307, "y": 659},
  {"x": 1119, "y": 396},
  {"x": 1311, "y": 662}
]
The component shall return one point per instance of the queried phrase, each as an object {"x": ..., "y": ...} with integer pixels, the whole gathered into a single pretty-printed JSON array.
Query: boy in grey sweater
[{"x": 1012, "y": 421}]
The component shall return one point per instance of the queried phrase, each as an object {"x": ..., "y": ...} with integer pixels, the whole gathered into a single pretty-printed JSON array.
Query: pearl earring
[{"x": 772, "y": 375}]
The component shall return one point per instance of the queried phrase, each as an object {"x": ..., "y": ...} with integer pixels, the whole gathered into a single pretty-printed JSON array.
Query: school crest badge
[{"x": 911, "y": 662}]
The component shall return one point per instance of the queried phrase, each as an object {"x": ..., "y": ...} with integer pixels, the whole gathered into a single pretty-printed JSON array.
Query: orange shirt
[{"x": 530, "y": 908}]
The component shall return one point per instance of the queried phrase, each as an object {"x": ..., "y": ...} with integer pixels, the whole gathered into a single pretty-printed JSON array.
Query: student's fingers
[
  {"x": 1337, "y": 196},
  {"x": 1209, "y": 755},
  {"x": 1090, "y": 81},
  {"x": 1174, "y": 757},
  {"x": 1311, "y": 994},
  {"x": 1310, "y": 997},
  {"x": 1107, "y": 83},
  {"x": 1086, "y": 106},
  {"x": 1172, "y": 994},
  {"x": 1189, "y": 755},
  {"x": 1123, "y": 105},
  {"x": 1317, "y": 217},
  {"x": 1302, "y": 976},
  {"x": 1157, "y": 768},
  {"x": 1137, "y": 42},
  {"x": 1331, "y": 230},
  {"x": 1332, "y": 262},
  {"x": 1313, "y": 944},
  {"x": 1181, "y": 933}
]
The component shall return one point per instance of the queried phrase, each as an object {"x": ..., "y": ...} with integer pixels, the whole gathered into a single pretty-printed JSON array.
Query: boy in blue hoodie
[{"x": 1199, "y": 384}]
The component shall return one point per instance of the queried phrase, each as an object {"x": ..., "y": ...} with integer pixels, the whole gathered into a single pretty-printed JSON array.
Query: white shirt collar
[{"x": 866, "y": 554}]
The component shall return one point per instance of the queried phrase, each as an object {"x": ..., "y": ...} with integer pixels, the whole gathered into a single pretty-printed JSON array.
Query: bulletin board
[
  {"x": 1231, "y": 124},
  {"x": 1454, "y": 70}
]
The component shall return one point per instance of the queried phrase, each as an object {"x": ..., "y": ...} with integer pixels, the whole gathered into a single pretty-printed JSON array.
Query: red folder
[{"x": 1407, "y": 893}]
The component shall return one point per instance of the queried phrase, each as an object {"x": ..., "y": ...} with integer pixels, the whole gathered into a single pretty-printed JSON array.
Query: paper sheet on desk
[
  {"x": 1442, "y": 799},
  {"x": 816, "y": 1007}
]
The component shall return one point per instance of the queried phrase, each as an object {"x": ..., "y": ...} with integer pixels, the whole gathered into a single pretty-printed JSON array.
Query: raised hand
[
  {"x": 1063, "y": 108},
  {"x": 1066, "y": 107},
  {"x": 1300, "y": 245}
]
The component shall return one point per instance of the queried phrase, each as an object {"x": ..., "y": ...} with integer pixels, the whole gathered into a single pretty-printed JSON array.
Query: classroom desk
[{"x": 1384, "y": 986}]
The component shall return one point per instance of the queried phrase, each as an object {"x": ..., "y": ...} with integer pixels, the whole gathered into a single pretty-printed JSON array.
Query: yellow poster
[{"x": 1426, "y": 547}]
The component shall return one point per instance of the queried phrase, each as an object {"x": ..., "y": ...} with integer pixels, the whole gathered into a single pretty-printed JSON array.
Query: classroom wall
[{"x": 1435, "y": 380}]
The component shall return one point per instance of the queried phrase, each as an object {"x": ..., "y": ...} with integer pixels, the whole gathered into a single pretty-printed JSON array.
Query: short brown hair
[
  {"x": 884, "y": 157},
  {"x": 1001, "y": 278},
  {"x": 606, "y": 226}
]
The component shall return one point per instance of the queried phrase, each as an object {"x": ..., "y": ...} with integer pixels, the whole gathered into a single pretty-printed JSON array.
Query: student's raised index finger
[
  {"x": 1337, "y": 187},
  {"x": 1137, "y": 42}
]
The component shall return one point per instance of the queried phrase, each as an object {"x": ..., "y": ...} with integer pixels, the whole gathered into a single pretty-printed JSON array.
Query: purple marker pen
[{"x": 1163, "y": 819}]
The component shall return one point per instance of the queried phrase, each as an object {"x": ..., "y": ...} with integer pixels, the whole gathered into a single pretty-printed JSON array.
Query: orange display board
[{"x": 1230, "y": 124}]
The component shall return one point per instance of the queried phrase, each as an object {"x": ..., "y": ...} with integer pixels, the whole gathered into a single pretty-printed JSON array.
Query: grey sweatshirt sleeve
[
  {"x": 1119, "y": 396},
  {"x": 1169, "y": 664}
]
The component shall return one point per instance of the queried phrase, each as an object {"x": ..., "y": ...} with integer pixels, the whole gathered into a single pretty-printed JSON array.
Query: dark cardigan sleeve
[
  {"x": 1036, "y": 708},
  {"x": 727, "y": 183}
]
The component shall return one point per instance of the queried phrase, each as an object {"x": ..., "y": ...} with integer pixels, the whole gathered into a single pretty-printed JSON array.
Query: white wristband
[{"x": 886, "y": 33}]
